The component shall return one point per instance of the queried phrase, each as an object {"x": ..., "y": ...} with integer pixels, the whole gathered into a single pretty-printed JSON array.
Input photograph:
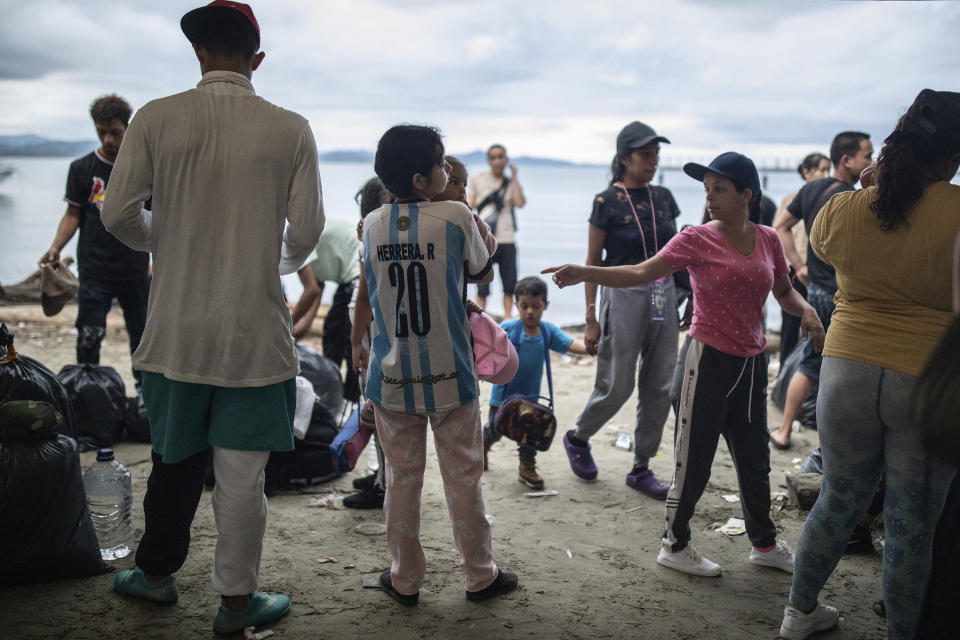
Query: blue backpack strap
[{"x": 546, "y": 360}]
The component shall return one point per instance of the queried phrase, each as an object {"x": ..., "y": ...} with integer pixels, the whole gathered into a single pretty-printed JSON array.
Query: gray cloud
[{"x": 555, "y": 78}]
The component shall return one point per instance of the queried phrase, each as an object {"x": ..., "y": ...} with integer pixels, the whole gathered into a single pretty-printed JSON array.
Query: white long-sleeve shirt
[{"x": 227, "y": 171}]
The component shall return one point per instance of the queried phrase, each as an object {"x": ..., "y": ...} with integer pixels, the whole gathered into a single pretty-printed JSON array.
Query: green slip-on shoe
[
  {"x": 263, "y": 608},
  {"x": 132, "y": 582}
]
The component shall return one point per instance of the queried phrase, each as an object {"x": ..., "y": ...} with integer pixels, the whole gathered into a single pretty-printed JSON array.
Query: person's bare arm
[
  {"x": 595, "y": 241},
  {"x": 307, "y": 306},
  {"x": 793, "y": 303},
  {"x": 580, "y": 347},
  {"x": 515, "y": 190},
  {"x": 362, "y": 315},
  {"x": 616, "y": 277},
  {"x": 783, "y": 222},
  {"x": 68, "y": 226}
]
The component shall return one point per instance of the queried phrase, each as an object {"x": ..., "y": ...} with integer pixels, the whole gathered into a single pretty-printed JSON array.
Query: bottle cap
[{"x": 104, "y": 455}]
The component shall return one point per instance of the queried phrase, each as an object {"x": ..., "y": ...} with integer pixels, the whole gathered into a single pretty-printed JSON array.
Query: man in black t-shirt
[
  {"x": 850, "y": 153},
  {"x": 108, "y": 269}
]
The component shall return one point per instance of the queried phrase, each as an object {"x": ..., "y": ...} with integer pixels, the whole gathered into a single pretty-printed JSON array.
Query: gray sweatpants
[{"x": 630, "y": 339}]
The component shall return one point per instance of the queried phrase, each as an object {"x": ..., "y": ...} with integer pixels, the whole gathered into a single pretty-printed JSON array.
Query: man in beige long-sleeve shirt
[{"x": 227, "y": 171}]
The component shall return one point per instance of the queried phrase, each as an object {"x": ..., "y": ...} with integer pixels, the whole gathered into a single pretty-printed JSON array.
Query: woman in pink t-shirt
[{"x": 733, "y": 265}]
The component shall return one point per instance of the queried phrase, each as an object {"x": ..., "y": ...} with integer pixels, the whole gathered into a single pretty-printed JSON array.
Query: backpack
[{"x": 311, "y": 460}]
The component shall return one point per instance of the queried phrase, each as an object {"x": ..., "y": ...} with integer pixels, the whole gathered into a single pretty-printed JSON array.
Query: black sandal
[
  {"x": 503, "y": 583},
  {"x": 387, "y": 585}
]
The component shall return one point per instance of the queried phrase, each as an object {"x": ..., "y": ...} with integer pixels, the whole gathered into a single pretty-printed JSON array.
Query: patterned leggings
[{"x": 865, "y": 429}]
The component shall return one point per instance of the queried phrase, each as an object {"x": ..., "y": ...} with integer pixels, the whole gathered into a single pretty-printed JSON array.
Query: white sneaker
[
  {"x": 780, "y": 557},
  {"x": 687, "y": 560},
  {"x": 798, "y": 625}
]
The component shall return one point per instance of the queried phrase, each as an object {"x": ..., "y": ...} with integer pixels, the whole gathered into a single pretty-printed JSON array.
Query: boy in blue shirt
[{"x": 530, "y": 295}]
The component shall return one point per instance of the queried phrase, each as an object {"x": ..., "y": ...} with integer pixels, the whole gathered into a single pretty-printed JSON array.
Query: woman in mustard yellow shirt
[{"x": 891, "y": 246}]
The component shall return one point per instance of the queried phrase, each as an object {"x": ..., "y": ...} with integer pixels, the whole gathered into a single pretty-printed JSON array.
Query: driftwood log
[
  {"x": 804, "y": 488},
  {"x": 27, "y": 290}
]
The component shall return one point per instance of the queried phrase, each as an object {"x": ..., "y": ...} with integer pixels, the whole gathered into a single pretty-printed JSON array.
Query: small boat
[{"x": 6, "y": 170}]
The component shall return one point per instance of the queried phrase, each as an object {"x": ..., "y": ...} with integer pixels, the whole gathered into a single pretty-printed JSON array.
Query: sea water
[{"x": 552, "y": 227}]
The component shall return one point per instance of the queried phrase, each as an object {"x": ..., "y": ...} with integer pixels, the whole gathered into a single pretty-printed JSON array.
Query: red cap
[{"x": 194, "y": 23}]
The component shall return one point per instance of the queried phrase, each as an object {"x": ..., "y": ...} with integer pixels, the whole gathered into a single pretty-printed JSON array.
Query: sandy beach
[{"x": 585, "y": 557}]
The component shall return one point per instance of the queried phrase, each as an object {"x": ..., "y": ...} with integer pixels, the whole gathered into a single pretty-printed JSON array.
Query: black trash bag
[
  {"x": 47, "y": 533},
  {"x": 813, "y": 463},
  {"x": 23, "y": 378},
  {"x": 311, "y": 461},
  {"x": 324, "y": 375},
  {"x": 99, "y": 401},
  {"x": 808, "y": 411},
  {"x": 136, "y": 426}
]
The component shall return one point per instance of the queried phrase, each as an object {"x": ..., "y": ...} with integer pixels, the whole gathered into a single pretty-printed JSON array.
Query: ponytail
[{"x": 617, "y": 170}]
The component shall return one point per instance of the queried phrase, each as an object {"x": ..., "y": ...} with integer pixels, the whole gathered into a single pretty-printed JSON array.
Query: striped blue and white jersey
[{"x": 421, "y": 359}]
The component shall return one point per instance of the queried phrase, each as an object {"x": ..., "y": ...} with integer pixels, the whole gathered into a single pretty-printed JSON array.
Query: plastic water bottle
[{"x": 110, "y": 498}]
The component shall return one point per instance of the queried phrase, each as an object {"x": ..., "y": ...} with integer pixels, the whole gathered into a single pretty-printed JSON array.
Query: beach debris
[
  {"x": 332, "y": 500},
  {"x": 250, "y": 633},
  {"x": 731, "y": 497},
  {"x": 623, "y": 442},
  {"x": 371, "y": 528},
  {"x": 804, "y": 488},
  {"x": 323, "y": 559},
  {"x": 733, "y": 527},
  {"x": 370, "y": 580},
  {"x": 797, "y": 460},
  {"x": 569, "y": 554},
  {"x": 490, "y": 518},
  {"x": 635, "y": 509},
  {"x": 542, "y": 493}
]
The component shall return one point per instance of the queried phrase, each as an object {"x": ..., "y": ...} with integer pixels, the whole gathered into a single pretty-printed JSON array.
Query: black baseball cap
[
  {"x": 737, "y": 167},
  {"x": 194, "y": 24},
  {"x": 636, "y": 135}
]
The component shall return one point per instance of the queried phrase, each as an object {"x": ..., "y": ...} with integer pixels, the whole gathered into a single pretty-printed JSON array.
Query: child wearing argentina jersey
[{"x": 421, "y": 363}]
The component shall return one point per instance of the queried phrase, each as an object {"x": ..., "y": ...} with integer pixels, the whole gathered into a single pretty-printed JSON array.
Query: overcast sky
[{"x": 555, "y": 79}]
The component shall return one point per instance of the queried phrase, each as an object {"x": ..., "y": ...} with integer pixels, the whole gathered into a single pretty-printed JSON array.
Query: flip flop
[{"x": 775, "y": 444}]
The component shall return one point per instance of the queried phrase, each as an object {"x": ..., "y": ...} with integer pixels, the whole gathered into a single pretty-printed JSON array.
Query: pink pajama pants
[{"x": 459, "y": 446}]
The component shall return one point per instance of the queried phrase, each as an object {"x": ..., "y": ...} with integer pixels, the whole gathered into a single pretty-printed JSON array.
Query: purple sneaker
[
  {"x": 581, "y": 462},
  {"x": 646, "y": 483}
]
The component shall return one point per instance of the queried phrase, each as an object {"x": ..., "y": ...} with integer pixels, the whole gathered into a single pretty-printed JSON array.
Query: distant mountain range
[{"x": 32, "y": 145}]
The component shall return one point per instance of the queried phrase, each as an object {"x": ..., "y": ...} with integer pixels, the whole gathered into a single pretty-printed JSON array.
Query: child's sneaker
[
  {"x": 529, "y": 475},
  {"x": 780, "y": 557},
  {"x": 687, "y": 560},
  {"x": 798, "y": 625}
]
